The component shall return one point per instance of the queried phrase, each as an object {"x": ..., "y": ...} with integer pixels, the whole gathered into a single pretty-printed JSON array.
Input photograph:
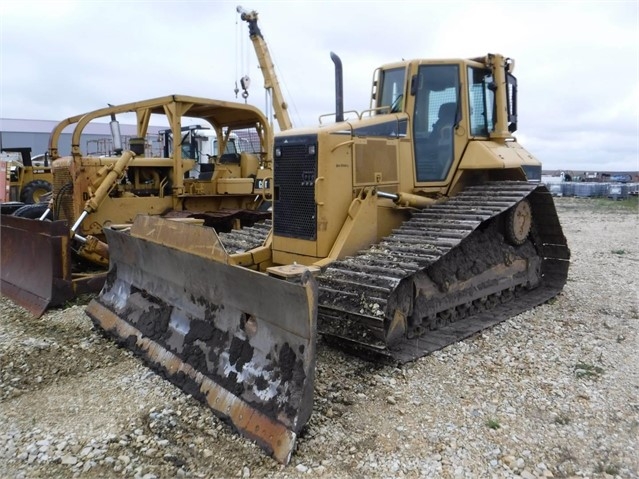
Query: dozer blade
[
  {"x": 238, "y": 340},
  {"x": 36, "y": 264}
]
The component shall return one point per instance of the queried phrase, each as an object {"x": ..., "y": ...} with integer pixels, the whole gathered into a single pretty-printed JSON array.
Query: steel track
[
  {"x": 355, "y": 293},
  {"x": 244, "y": 239}
]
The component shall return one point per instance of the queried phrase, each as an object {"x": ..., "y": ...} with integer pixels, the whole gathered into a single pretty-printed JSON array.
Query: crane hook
[{"x": 245, "y": 81}]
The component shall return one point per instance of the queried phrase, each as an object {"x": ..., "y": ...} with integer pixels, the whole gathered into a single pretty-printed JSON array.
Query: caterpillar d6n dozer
[
  {"x": 421, "y": 222},
  {"x": 217, "y": 173}
]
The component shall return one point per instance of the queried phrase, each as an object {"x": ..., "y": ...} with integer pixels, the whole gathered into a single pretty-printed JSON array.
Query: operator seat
[
  {"x": 445, "y": 119},
  {"x": 441, "y": 143},
  {"x": 434, "y": 154}
]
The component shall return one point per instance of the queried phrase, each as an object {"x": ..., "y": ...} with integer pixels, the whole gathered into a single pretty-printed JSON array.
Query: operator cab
[{"x": 443, "y": 116}]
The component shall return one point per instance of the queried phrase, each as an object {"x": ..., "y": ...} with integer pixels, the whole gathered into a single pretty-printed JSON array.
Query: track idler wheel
[{"x": 518, "y": 223}]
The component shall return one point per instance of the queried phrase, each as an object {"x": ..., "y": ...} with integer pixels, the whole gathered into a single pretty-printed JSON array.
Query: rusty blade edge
[
  {"x": 33, "y": 303},
  {"x": 272, "y": 436}
]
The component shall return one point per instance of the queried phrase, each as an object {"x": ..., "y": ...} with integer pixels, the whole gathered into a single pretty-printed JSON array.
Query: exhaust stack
[
  {"x": 339, "y": 88},
  {"x": 115, "y": 134}
]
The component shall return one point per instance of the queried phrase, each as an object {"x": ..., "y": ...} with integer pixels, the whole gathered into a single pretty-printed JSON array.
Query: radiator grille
[
  {"x": 63, "y": 189},
  {"x": 295, "y": 171}
]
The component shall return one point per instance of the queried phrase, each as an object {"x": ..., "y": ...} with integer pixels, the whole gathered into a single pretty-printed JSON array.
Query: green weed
[
  {"x": 493, "y": 424},
  {"x": 588, "y": 371},
  {"x": 80, "y": 300},
  {"x": 610, "y": 469}
]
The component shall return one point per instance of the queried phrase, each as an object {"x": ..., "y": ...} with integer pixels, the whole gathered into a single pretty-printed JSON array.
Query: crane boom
[{"x": 271, "y": 83}]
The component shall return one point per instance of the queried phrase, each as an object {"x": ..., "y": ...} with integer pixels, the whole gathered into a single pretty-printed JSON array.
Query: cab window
[
  {"x": 482, "y": 101},
  {"x": 392, "y": 90},
  {"x": 437, "y": 113}
]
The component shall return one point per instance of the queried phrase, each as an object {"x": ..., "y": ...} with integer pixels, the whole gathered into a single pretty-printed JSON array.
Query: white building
[{"x": 96, "y": 138}]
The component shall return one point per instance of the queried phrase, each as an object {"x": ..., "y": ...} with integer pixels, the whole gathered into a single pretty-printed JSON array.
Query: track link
[
  {"x": 244, "y": 239},
  {"x": 359, "y": 296}
]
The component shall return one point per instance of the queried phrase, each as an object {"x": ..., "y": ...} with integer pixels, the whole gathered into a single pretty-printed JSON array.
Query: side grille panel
[
  {"x": 63, "y": 189},
  {"x": 295, "y": 214}
]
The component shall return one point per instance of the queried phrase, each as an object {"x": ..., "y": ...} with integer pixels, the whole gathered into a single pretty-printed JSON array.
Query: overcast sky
[{"x": 577, "y": 62}]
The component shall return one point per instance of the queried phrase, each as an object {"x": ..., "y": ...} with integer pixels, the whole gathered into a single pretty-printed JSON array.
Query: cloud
[{"x": 576, "y": 62}]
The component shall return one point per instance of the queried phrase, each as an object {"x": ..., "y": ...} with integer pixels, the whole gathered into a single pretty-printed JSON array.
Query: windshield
[
  {"x": 392, "y": 90},
  {"x": 231, "y": 146},
  {"x": 201, "y": 143}
]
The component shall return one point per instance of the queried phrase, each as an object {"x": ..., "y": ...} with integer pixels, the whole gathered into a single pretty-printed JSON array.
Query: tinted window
[
  {"x": 392, "y": 90},
  {"x": 436, "y": 115},
  {"x": 481, "y": 101}
]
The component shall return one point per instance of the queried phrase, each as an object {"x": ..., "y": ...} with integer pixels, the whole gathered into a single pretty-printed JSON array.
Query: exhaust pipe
[
  {"x": 115, "y": 134},
  {"x": 339, "y": 88}
]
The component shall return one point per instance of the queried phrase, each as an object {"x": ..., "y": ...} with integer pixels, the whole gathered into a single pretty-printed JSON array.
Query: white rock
[{"x": 69, "y": 460}]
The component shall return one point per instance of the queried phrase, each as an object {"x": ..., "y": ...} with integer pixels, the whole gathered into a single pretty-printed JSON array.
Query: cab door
[{"x": 437, "y": 112}]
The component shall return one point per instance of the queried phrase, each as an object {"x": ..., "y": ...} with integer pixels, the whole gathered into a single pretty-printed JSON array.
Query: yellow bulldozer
[
  {"x": 411, "y": 226},
  {"x": 24, "y": 180},
  {"x": 214, "y": 167},
  {"x": 226, "y": 189}
]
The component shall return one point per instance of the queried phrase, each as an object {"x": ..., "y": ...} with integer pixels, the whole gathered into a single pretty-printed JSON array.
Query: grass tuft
[
  {"x": 493, "y": 424},
  {"x": 611, "y": 469},
  {"x": 588, "y": 371},
  {"x": 629, "y": 204}
]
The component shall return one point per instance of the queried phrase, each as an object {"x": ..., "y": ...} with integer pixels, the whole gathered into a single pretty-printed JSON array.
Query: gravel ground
[{"x": 553, "y": 392}]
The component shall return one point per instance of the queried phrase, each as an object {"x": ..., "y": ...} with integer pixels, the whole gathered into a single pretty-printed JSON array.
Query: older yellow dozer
[
  {"x": 24, "y": 179},
  {"x": 417, "y": 223},
  {"x": 211, "y": 163}
]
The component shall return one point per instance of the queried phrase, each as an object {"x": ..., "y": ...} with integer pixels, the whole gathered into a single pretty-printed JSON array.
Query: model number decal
[{"x": 262, "y": 183}]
